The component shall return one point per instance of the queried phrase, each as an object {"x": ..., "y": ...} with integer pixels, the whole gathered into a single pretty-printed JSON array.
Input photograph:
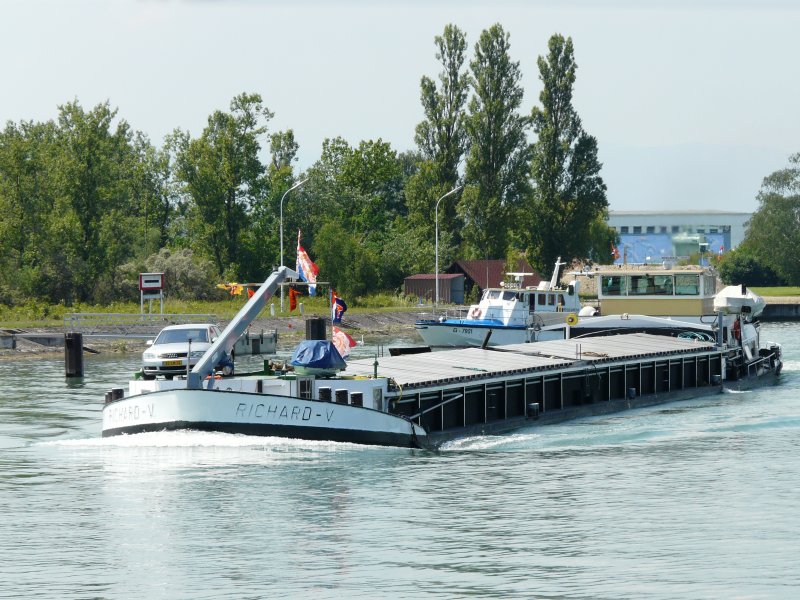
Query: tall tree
[
  {"x": 496, "y": 171},
  {"x": 441, "y": 137},
  {"x": 94, "y": 168},
  {"x": 153, "y": 193},
  {"x": 569, "y": 193},
  {"x": 262, "y": 236},
  {"x": 773, "y": 233},
  {"x": 28, "y": 190},
  {"x": 222, "y": 174}
]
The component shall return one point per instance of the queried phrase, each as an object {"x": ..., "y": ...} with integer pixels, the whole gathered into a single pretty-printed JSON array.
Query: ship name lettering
[
  {"x": 132, "y": 413},
  {"x": 297, "y": 413}
]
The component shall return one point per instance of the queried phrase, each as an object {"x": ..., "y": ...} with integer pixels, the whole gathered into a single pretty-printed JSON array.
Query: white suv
[{"x": 168, "y": 354}]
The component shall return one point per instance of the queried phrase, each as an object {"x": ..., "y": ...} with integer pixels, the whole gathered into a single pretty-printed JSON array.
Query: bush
[
  {"x": 186, "y": 276},
  {"x": 739, "y": 267}
]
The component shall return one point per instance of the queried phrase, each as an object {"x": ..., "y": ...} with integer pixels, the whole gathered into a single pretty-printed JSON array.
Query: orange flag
[{"x": 293, "y": 299}]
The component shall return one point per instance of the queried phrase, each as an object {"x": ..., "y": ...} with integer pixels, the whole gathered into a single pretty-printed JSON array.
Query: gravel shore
[{"x": 291, "y": 328}]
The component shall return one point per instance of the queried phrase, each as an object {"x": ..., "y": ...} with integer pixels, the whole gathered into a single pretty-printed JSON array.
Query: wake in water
[{"x": 199, "y": 439}]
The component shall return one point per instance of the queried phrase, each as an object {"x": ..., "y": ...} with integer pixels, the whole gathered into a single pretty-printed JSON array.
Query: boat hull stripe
[{"x": 375, "y": 438}]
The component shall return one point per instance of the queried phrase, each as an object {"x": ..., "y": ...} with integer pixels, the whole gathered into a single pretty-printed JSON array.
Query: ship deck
[{"x": 451, "y": 366}]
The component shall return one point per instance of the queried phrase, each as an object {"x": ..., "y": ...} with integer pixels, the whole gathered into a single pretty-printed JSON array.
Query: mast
[{"x": 227, "y": 339}]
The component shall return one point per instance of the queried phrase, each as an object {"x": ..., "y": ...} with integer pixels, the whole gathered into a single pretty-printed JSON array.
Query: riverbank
[{"x": 291, "y": 329}]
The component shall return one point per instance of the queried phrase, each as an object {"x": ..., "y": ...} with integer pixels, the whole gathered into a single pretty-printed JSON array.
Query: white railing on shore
[{"x": 124, "y": 322}]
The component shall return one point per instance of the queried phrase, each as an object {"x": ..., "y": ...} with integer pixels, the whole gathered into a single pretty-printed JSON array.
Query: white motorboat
[{"x": 508, "y": 314}]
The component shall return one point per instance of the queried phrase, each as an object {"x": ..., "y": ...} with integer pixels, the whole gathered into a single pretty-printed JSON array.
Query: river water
[{"x": 697, "y": 499}]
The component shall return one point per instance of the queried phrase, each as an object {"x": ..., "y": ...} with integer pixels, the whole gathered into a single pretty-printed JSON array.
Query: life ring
[
  {"x": 476, "y": 312},
  {"x": 572, "y": 319},
  {"x": 737, "y": 330}
]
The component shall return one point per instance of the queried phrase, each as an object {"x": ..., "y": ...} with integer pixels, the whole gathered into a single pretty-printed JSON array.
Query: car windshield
[{"x": 176, "y": 336}]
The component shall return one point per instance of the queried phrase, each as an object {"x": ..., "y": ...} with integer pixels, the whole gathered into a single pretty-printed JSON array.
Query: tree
[
  {"x": 27, "y": 195},
  {"x": 153, "y": 193},
  {"x": 496, "y": 171},
  {"x": 261, "y": 240},
  {"x": 222, "y": 173},
  {"x": 95, "y": 221},
  {"x": 773, "y": 233},
  {"x": 347, "y": 264},
  {"x": 569, "y": 193},
  {"x": 739, "y": 267},
  {"x": 442, "y": 137}
]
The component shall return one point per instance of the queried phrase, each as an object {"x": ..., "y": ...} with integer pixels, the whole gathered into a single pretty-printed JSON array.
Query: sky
[{"x": 692, "y": 103}]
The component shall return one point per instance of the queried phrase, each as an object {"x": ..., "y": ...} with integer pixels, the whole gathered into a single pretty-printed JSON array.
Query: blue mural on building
[{"x": 652, "y": 248}]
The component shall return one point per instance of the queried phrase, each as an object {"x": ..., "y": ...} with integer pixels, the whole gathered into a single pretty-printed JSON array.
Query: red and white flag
[{"x": 343, "y": 341}]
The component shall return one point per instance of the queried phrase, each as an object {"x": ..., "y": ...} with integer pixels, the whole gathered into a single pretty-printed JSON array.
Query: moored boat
[{"x": 507, "y": 314}]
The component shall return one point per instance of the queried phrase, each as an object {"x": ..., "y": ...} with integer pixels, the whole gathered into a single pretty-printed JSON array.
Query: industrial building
[{"x": 650, "y": 236}]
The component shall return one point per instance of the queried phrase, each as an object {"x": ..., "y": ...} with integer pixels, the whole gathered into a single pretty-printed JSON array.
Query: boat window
[
  {"x": 551, "y": 299},
  {"x": 663, "y": 285},
  {"x": 640, "y": 285},
  {"x": 687, "y": 284},
  {"x": 508, "y": 295},
  {"x": 492, "y": 295},
  {"x": 650, "y": 285},
  {"x": 612, "y": 285},
  {"x": 542, "y": 299}
]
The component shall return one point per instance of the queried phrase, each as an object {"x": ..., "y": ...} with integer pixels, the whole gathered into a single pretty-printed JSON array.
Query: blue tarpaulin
[{"x": 317, "y": 354}]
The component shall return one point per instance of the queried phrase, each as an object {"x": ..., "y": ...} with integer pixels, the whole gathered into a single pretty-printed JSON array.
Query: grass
[
  {"x": 777, "y": 291},
  {"x": 39, "y": 314}
]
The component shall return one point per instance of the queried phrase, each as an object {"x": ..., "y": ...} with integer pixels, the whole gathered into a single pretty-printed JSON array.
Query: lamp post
[
  {"x": 436, "y": 210},
  {"x": 294, "y": 187}
]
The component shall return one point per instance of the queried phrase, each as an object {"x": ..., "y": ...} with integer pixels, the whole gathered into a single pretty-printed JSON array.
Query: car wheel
[
  {"x": 168, "y": 377},
  {"x": 147, "y": 377}
]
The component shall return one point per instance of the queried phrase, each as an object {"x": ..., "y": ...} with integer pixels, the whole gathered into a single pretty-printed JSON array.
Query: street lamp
[
  {"x": 453, "y": 191},
  {"x": 294, "y": 187}
]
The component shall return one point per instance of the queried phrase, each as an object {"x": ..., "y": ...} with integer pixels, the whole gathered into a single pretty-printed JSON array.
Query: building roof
[
  {"x": 489, "y": 273},
  {"x": 432, "y": 276},
  {"x": 630, "y": 213}
]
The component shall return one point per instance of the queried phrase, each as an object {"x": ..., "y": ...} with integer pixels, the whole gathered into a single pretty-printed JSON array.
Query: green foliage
[
  {"x": 86, "y": 203},
  {"x": 773, "y": 233},
  {"x": 601, "y": 237},
  {"x": 221, "y": 174},
  {"x": 778, "y": 292},
  {"x": 739, "y": 266},
  {"x": 569, "y": 194},
  {"x": 350, "y": 267},
  {"x": 496, "y": 169},
  {"x": 441, "y": 137}
]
